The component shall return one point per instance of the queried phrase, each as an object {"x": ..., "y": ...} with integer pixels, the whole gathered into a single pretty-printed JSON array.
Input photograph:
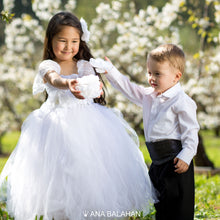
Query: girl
[{"x": 75, "y": 158}]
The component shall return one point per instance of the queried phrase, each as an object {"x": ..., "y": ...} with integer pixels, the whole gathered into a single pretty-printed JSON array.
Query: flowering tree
[
  {"x": 125, "y": 34},
  {"x": 128, "y": 35},
  {"x": 6, "y": 16},
  {"x": 20, "y": 56},
  {"x": 206, "y": 65}
]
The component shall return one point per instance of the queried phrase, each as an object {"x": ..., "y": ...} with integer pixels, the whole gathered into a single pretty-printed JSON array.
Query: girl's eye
[
  {"x": 62, "y": 40},
  {"x": 157, "y": 74}
]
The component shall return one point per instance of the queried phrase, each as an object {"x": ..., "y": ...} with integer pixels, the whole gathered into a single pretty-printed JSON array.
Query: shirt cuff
[{"x": 186, "y": 155}]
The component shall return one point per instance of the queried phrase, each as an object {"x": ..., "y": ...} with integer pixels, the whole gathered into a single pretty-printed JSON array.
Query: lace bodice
[{"x": 55, "y": 95}]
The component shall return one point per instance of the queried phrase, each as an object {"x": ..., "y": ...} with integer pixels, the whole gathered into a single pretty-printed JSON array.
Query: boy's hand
[
  {"x": 107, "y": 59},
  {"x": 180, "y": 165}
]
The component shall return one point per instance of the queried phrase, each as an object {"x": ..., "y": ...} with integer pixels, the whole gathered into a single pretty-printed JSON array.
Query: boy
[{"x": 170, "y": 126}]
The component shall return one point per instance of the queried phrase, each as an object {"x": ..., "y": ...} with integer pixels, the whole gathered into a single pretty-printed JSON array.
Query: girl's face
[
  {"x": 65, "y": 44},
  {"x": 162, "y": 76}
]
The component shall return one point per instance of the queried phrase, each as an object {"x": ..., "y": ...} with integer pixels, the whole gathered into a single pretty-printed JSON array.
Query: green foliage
[
  {"x": 41, "y": 218},
  {"x": 150, "y": 216},
  {"x": 194, "y": 11},
  {"x": 207, "y": 198},
  {"x": 3, "y": 161},
  {"x": 192, "y": 45},
  {"x": 87, "y": 9},
  {"x": 6, "y": 16},
  {"x": 212, "y": 144},
  {"x": 3, "y": 213},
  {"x": 9, "y": 141}
]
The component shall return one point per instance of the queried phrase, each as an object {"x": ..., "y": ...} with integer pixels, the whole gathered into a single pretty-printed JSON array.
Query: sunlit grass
[
  {"x": 207, "y": 197},
  {"x": 9, "y": 141}
]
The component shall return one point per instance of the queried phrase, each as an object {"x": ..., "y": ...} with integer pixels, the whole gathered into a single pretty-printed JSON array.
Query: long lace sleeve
[{"x": 44, "y": 67}]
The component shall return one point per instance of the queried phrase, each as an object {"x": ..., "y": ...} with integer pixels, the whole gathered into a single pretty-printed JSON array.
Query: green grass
[
  {"x": 207, "y": 197},
  {"x": 3, "y": 160},
  {"x": 9, "y": 141},
  {"x": 212, "y": 144},
  {"x": 207, "y": 194}
]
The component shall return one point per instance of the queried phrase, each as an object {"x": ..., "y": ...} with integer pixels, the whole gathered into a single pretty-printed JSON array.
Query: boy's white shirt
[{"x": 171, "y": 115}]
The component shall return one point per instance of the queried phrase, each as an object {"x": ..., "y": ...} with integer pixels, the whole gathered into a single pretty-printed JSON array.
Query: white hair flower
[{"x": 86, "y": 32}]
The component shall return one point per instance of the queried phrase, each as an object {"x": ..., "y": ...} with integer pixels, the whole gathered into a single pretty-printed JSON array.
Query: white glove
[
  {"x": 89, "y": 86},
  {"x": 101, "y": 66}
]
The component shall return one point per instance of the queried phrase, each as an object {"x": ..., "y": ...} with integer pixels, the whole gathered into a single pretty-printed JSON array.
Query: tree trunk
[
  {"x": 201, "y": 158},
  {"x": 1, "y": 136},
  {"x": 217, "y": 131},
  {"x": 1, "y": 147}
]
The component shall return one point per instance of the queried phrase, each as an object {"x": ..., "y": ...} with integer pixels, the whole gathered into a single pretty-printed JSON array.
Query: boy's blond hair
[{"x": 171, "y": 53}]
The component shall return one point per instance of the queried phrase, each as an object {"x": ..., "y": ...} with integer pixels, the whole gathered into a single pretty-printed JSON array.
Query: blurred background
[{"x": 125, "y": 31}]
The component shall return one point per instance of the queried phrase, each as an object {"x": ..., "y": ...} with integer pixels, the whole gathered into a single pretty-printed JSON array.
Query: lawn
[{"x": 207, "y": 201}]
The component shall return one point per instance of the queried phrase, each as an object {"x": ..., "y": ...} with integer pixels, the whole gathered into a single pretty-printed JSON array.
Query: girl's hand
[
  {"x": 180, "y": 165},
  {"x": 71, "y": 83}
]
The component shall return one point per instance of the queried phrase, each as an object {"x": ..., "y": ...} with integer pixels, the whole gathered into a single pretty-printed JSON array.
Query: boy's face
[{"x": 161, "y": 75}]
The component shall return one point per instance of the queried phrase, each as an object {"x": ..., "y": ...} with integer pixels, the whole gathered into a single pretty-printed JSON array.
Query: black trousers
[{"x": 176, "y": 192}]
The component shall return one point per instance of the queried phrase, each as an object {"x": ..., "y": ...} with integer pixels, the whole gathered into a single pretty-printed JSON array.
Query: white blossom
[
  {"x": 8, "y": 5},
  {"x": 126, "y": 37},
  {"x": 70, "y": 5},
  {"x": 45, "y": 9}
]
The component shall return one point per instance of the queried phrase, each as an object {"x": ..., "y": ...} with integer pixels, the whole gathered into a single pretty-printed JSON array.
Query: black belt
[{"x": 163, "y": 151}]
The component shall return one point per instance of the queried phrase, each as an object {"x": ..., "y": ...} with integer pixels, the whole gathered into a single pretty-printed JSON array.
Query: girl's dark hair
[{"x": 54, "y": 27}]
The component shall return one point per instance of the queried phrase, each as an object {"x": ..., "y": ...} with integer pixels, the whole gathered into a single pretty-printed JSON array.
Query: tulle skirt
[{"x": 76, "y": 162}]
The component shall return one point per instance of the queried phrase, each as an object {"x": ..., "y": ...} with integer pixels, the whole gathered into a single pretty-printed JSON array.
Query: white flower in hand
[
  {"x": 101, "y": 66},
  {"x": 89, "y": 86}
]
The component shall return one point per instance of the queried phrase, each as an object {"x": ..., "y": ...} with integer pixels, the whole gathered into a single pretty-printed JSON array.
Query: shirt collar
[{"x": 171, "y": 92}]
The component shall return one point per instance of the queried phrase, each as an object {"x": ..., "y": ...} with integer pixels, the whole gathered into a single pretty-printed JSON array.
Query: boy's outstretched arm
[{"x": 130, "y": 90}]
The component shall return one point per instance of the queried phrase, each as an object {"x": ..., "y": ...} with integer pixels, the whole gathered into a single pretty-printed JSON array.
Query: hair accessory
[{"x": 86, "y": 33}]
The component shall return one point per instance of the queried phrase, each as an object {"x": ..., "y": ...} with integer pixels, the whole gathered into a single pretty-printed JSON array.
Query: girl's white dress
[{"x": 75, "y": 159}]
